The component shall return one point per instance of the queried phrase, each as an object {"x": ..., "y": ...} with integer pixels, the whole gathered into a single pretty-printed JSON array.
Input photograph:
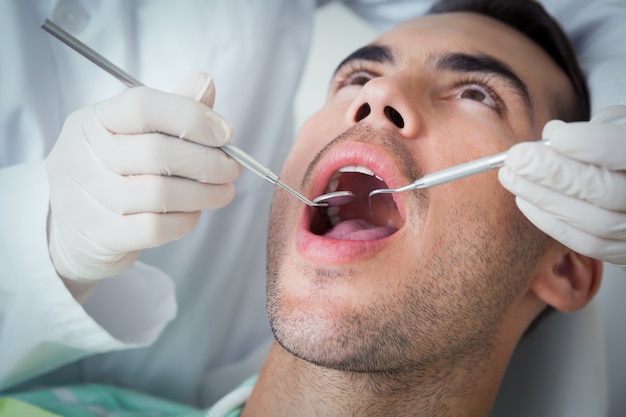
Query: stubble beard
[
  {"x": 450, "y": 317},
  {"x": 448, "y": 310}
]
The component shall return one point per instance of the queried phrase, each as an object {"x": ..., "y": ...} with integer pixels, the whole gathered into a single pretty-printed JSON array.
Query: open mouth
[{"x": 362, "y": 219}]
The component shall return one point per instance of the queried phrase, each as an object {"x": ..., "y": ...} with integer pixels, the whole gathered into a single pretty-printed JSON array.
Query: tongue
[{"x": 358, "y": 229}]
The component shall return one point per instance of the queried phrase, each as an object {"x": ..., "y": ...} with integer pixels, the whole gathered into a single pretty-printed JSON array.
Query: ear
[{"x": 567, "y": 280}]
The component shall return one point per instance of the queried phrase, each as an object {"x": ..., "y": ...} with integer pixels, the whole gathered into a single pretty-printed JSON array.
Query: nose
[{"x": 385, "y": 102}]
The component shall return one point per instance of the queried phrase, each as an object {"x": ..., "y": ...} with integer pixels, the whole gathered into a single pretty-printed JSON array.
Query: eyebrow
[
  {"x": 454, "y": 61},
  {"x": 374, "y": 53},
  {"x": 485, "y": 64}
]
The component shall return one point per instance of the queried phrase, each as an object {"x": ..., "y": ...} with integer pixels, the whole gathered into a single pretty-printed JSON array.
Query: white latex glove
[
  {"x": 134, "y": 172},
  {"x": 575, "y": 189}
]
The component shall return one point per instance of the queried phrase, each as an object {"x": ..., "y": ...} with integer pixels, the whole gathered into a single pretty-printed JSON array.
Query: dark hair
[{"x": 531, "y": 19}]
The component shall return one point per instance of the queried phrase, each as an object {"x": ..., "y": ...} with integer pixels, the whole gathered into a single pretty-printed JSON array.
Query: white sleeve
[
  {"x": 385, "y": 14},
  {"x": 42, "y": 326}
]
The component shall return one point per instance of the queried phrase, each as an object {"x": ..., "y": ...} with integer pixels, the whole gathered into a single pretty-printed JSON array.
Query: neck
[{"x": 290, "y": 386}]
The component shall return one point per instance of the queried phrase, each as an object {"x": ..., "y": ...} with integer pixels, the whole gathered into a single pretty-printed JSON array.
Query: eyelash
[
  {"x": 347, "y": 76},
  {"x": 485, "y": 88},
  {"x": 357, "y": 74}
]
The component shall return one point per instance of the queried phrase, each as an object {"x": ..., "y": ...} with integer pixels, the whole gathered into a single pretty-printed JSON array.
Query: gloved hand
[
  {"x": 575, "y": 189},
  {"x": 134, "y": 172}
]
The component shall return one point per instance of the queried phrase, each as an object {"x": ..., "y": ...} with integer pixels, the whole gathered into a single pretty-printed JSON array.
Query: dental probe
[
  {"x": 453, "y": 173},
  {"x": 337, "y": 198}
]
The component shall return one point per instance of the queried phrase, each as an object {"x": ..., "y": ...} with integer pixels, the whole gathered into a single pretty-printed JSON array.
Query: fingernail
[{"x": 202, "y": 86}]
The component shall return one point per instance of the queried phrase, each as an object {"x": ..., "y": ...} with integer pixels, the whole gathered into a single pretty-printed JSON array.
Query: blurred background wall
[{"x": 337, "y": 33}]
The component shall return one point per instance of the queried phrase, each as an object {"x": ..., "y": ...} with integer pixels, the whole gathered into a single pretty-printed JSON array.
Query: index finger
[{"x": 145, "y": 110}]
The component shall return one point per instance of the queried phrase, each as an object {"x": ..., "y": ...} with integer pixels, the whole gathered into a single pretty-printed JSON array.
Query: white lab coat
[{"x": 172, "y": 306}]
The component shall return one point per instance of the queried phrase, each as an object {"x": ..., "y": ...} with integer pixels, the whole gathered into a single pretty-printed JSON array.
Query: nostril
[
  {"x": 362, "y": 112},
  {"x": 395, "y": 117}
]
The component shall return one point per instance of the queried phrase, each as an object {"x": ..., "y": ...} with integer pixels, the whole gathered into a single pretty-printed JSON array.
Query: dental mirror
[{"x": 334, "y": 199}]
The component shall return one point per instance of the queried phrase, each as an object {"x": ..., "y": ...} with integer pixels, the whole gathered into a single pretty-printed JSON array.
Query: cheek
[
  {"x": 317, "y": 132},
  {"x": 474, "y": 206},
  {"x": 469, "y": 129},
  {"x": 328, "y": 122}
]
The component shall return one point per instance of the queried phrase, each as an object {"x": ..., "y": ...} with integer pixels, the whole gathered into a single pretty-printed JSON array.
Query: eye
[
  {"x": 359, "y": 78},
  {"x": 481, "y": 92},
  {"x": 352, "y": 74},
  {"x": 473, "y": 94}
]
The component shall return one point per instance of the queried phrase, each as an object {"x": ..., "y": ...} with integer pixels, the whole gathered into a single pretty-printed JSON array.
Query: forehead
[{"x": 470, "y": 31}]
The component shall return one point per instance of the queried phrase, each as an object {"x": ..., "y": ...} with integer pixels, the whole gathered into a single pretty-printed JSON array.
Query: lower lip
[{"x": 333, "y": 251}]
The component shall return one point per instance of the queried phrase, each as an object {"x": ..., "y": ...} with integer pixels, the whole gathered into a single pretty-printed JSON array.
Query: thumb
[{"x": 199, "y": 86}]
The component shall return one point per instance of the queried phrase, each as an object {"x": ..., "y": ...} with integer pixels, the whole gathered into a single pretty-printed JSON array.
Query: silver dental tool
[
  {"x": 453, "y": 173},
  {"x": 337, "y": 198}
]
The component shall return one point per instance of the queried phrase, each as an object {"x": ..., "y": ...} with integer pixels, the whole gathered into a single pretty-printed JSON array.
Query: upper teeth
[
  {"x": 359, "y": 169},
  {"x": 334, "y": 180}
]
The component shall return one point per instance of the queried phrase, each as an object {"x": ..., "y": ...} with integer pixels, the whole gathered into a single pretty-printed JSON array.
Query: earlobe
[{"x": 568, "y": 280}]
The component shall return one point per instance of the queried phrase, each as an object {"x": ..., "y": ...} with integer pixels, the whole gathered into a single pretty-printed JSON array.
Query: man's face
[{"x": 429, "y": 275}]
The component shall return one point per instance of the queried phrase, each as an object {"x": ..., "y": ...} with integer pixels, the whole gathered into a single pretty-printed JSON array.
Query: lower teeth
[{"x": 333, "y": 215}]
